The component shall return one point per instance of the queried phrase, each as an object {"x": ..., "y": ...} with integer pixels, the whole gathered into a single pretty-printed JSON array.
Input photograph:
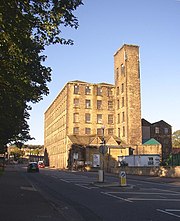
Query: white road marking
[
  {"x": 170, "y": 191},
  {"x": 160, "y": 184},
  {"x": 64, "y": 180},
  {"x": 163, "y": 211},
  {"x": 142, "y": 193},
  {"x": 120, "y": 198},
  {"x": 172, "y": 210},
  {"x": 144, "y": 199},
  {"x": 89, "y": 188},
  {"x": 29, "y": 188}
]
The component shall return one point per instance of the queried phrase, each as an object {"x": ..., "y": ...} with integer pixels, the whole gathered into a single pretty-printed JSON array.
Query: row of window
[
  {"x": 120, "y": 70},
  {"x": 118, "y": 89},
  {"x": 88, "y": 104},
  {"x": 88, "y": 131},
  {"x": 88, "y": 90},
  {"x": 157, "y": 130},
  {"x": 110, "y": 131},
  {"x": 99, "y": 103},
  {"x": 99, "y": 118}
]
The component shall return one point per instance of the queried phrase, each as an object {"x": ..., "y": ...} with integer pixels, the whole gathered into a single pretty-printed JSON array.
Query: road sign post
[
  {"x": 123, "y": 178},
  {"x": 103, "y": 149}
]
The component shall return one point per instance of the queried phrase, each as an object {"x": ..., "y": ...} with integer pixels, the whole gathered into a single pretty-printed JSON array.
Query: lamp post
[
  {"x": 103, "y": 128},
  {"x": 103, "y": 143},
  {"x": 103, "y": 150}
]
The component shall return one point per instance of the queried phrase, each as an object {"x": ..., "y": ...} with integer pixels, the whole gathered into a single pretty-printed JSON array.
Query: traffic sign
[
  {"x": 123, "y": 178},
  {"x": 103, "y": 149}
]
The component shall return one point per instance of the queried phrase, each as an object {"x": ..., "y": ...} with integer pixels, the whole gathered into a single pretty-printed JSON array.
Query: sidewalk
[{"x": 19, "y": 201}]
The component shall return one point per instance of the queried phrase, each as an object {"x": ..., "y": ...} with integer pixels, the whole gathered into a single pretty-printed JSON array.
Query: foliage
[
  {"x": 34, "y": 149},
  {"x": 176, "y": 139},
  {"x": 26, "y": 27},
  {"x": 16, "y": 152}
]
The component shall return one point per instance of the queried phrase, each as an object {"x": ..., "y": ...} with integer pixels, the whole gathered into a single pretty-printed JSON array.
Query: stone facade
[
  {"x": 128, "y": 100},
  {"x": 84, "y": 114}
]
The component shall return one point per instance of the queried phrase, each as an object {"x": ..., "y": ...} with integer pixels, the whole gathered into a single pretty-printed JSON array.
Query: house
[{"x": 161, "y": 132}]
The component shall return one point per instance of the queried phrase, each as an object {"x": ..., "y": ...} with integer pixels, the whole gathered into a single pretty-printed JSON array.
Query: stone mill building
[{"x": 86, "y": 115}]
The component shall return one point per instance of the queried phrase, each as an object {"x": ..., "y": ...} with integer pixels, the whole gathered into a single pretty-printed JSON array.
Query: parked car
[
  {"x": 41, "y": 164},
  {"x": 33, "y": 167}
]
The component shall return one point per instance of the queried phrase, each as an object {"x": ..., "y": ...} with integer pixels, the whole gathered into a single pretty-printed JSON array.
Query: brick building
[
  {"x": 84, "y": 114},
  {"x": 161, "y": 132}
]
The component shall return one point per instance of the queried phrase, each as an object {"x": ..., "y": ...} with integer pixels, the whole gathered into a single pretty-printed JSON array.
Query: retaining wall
[{"x": 150, "y": 171}]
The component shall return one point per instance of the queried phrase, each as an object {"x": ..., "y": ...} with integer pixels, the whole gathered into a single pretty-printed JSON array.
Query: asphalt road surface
[{"x": 77, "y": 196}]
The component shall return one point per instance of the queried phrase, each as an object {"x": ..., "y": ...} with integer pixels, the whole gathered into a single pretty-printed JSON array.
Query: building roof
[
  {"x": 145, "y": 122},
  {"x": 161, "y": 122},
  {"x": 89, "y": 139},
  {"x": 152, "y": 141},
  {"x": 81, "y": 139},
  {"x": 84, "y": 82}
]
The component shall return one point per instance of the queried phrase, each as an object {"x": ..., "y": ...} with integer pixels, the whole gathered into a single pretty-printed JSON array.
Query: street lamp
[
  {"x": 103, "y": 143},
  {"x": 103, "y": 128}
]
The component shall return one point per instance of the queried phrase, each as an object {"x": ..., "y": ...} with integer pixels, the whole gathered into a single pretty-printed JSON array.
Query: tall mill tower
[{"x": 128, "y": 98}]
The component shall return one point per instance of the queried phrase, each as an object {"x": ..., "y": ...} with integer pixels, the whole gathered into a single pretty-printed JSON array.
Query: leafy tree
[
  {"x": 176, "y": 139},
  {"x": 26, "y": 27},
  {"x": 16, "y": 153}
]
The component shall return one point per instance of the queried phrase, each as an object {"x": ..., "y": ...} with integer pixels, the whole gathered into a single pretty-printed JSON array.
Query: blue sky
[{"x": 104, "y": 26}]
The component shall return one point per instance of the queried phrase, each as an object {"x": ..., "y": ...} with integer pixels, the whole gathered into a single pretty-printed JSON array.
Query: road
[
  {"x": 77, "y": 196},
  {"x": 56, "y": 195}
]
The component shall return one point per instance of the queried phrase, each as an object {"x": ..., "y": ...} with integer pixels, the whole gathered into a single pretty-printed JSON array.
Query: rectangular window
[
  {"x": 99, "y": 104},
  {"x": 99, "y": 131},
  {"x": 123, "y": 131},
  {"x": 99, "y": 91},
  {"x": 118, "y": 104},
  {"x": 99, "y": 118},
  {"x": 117, "y": 72},
  {"x": 118, "y": 118},
  {"x": 87, "y": 103},
  {"x": 87, "y": 118},
  {"x": 166, "y": 131},
  {"x": 76, "y": 117},
  {"x": 119, "y": 132},
  {"x": 110, "y": 105},
  {"x": 76, "y": 89},
  {"x": 87, "y": 90},
  {"x": 117, "y": 91},
  {"x": 110, "y": 119},
  {"x": 122, "y": 88},
  {"x": 110, "y": 93},
  {"x": 123, "y": 117},
  {"x": 76, "y": 130},
  {"x": 76, "y": 102},
  {"x": 87, "y": 130},
  {"x": 122, "y": 101},
  {"x": 122, "y": 69},
  {"x": 156, "y": 130},
  {"x": 110, "y": 131}
]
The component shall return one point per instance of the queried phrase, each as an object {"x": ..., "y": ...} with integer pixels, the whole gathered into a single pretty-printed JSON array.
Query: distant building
[
  {"x": 84, "y": 115},
  {"x": 160, "y": 131}
]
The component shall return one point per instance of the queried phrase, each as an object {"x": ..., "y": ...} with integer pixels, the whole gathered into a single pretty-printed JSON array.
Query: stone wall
[{"x": 149, "y": 171}]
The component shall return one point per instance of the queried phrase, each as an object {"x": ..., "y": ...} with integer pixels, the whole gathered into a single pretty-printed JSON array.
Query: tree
[
  {"x": 16, "y": 153},
  {"x": 26, "y": 27},
  {"x": 176, "y": 139}
]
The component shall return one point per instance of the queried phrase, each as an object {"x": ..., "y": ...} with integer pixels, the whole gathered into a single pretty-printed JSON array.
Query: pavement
[{"x": 20, "y": 201}]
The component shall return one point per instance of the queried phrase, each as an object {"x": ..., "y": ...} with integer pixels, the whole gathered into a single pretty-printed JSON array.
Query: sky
[{"x": 104, "y": 26}]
